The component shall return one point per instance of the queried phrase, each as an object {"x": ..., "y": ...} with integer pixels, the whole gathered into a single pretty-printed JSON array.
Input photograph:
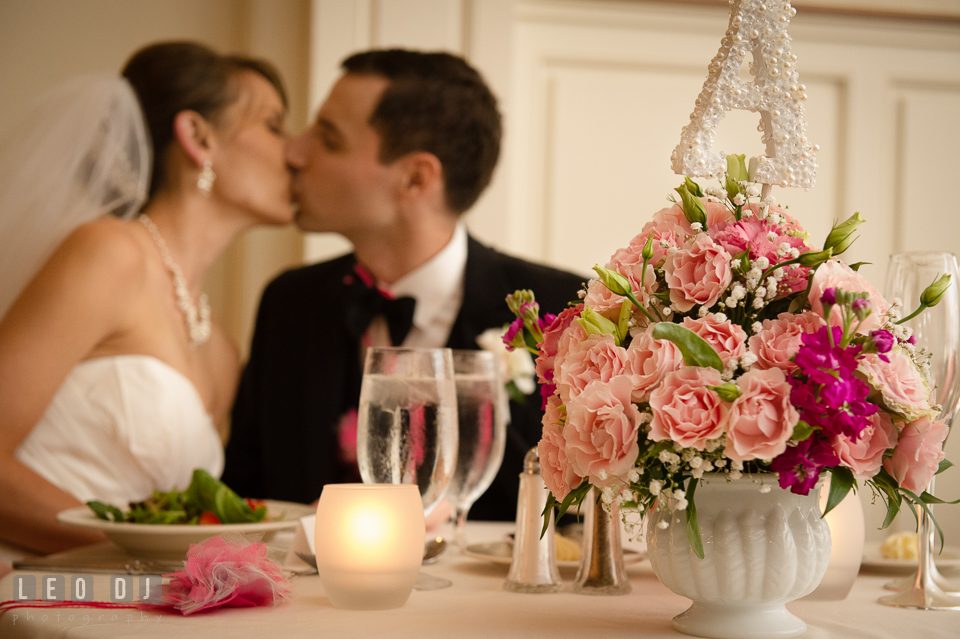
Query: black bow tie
[{"x": 364, "y": 302}]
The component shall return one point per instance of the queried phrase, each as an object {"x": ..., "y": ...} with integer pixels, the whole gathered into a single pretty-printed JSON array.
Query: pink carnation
[
  {"x": 685, "y": 410},
  {"x": 715, "y": 212},
  {"x": 918, "y": 454},
  {"x": 762, "y": 419},
  {"x": 900, "y": 384},
  {"x": 648, "y": 362},
  {"x": 865, "y": 455},
  {"x": 836, "y": 274},
  {"x": 595, "y": 358},
  {"x": 727, "y": 338},
  {"x": 550, "y": 345},
  {"x": 697, "y": 274},
  {"x": 555, "y": 469},
  {"x": 601, "y": 431},
  {"x": 665, "y": 231},
  {"x": 764, "y": 240},
  {"x": 603, "y": 300},
  {"x": 779, "y": 339}
]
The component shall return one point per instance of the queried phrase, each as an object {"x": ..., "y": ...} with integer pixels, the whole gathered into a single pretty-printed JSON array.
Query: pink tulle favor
[{"x": 220, "y": 573}]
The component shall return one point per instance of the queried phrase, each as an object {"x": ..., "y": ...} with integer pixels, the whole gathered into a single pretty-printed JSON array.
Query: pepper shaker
[{"x": 534, "y": 566}]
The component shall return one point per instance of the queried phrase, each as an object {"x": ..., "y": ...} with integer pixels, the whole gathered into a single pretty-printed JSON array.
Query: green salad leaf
[{"x": 205, "y": 494}]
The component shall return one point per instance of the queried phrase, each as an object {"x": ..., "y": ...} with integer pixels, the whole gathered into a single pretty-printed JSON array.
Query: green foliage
[
  {"x": 205, "y": 494},
  {"x": 841, "y": 482},
  {"x": 693, "y": 525},
  {"x": 695, "y": 350}
]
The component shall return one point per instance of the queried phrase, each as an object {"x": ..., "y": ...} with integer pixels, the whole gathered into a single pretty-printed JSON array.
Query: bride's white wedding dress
[{"x": 120, "y": 427}]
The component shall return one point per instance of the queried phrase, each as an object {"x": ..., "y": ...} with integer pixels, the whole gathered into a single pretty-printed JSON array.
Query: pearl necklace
[{"x": 198, "y": 321}]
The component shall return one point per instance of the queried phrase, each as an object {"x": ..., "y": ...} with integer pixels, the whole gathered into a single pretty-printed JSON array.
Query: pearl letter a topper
[{"x": 775, "y": 92}]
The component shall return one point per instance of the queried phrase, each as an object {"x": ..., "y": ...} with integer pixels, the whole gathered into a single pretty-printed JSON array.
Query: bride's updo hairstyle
[{"x": 171, "y": 77}]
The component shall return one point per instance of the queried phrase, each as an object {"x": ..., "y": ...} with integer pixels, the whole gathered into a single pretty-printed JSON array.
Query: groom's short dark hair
[{"x": 438, "y": 103}]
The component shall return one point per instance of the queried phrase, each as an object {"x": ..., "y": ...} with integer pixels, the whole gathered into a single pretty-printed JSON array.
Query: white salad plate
[
  {"x": 173, "y": 540},
  {"x": 501, "y": 552}
]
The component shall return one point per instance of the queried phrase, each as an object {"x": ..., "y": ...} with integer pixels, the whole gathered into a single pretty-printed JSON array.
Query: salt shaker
[{"x": 534, "y": 567}]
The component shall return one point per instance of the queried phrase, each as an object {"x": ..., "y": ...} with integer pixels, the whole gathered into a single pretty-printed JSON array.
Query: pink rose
[
  {"x": 697, "y": 274},
  {"x": 865, "y": 455},
  {"x": 727, "y": 338},
  {"x": 685, "y": 410},
  {"x": 648, "y": 362},
  {"x": 836, "y": 274},
  {"x": 595, "y": 358},
  {"x": 918, "y": 454},
  {"x": 629, "y": 263},
  {"x": 551, "y": 343},
  {"x": 779, "y": 339},
  {"x": 762, "y": 419},
  {"x": 601, "y": 431},
  {"x": 900, "y": 384},
  {"x": 555, "y": 469},
  {"x": 716, "y": 214}
]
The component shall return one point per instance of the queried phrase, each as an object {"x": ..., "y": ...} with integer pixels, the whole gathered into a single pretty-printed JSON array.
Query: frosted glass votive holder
[{"x": 369, "y": 544}]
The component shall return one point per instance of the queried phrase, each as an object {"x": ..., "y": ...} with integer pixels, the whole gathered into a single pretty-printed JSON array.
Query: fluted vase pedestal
[{"x": 762, "y": 549}]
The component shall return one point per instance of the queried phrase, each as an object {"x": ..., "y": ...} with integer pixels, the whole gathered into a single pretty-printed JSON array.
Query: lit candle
[{"x": 369, "y": 543}]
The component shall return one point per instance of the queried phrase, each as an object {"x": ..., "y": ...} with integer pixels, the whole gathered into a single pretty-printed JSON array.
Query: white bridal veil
[{"x": 80, "y": 152}]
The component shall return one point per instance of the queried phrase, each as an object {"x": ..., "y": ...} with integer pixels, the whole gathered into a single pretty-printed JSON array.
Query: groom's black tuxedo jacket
[{"x": 283, "y": 443}]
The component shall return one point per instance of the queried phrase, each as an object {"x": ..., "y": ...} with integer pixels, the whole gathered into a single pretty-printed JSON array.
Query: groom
[{"x": 403, "y": 145}]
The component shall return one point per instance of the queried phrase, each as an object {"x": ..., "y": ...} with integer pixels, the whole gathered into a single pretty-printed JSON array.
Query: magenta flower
[
  {"x": 510, "y": 337},
  {"x": 800, "y": 466}
]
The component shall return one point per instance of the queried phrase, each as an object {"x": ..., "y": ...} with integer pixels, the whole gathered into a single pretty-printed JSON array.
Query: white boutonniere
[{"x": 516, "y": 367}]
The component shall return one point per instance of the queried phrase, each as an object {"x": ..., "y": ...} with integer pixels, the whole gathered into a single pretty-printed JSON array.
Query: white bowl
[{"x": 160, "y": 541}]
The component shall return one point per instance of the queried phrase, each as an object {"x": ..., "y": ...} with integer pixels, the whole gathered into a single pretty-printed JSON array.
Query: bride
[{"x": 113, "y": 376}]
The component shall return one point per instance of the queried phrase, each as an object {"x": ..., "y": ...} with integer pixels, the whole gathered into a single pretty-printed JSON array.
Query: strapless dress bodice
[{"x": 120, "y": 427}]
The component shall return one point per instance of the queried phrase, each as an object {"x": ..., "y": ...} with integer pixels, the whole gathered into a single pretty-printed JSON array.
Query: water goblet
[
  {"x": 407, "y": 425},
  {"x": 482, "y": 414},
  {"x": 937, "y": 330}
]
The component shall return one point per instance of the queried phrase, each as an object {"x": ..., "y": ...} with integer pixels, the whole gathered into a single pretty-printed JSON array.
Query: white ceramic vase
[{"x": 761, "y": 551}]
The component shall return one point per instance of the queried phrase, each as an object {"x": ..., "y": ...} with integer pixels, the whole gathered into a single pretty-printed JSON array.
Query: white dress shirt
[{"x": 437, "y": 286}]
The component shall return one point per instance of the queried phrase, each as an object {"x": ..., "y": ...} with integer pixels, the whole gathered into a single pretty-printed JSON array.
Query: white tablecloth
[{"x": 475, "y": 606}]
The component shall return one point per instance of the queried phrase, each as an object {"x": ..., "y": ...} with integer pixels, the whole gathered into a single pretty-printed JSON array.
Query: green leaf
[
  {"x": 106, "y": 511},
  {"x": 926, "y": 508},
  {"x": 514, "y": 392},
  {"x": 802, "y": 431},
  {"x": 547, "y": 513},
  {"x": 693, "y": 526},
  {"x": 945, "y": 464},
  {"x": 841, "y": 481},
  {"x": 695, "y": 350},
  {"x": 856, "y": 266}
]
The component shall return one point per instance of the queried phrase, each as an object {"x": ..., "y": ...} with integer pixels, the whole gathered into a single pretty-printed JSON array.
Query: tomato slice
[{"x": 209, "y": 519}]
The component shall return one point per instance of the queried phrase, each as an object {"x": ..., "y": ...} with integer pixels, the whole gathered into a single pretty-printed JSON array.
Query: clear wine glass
[
  {"x": 937, "y": 331},
  {"x": 407, "y": 425},
  {"x": 482, "y": 414}
]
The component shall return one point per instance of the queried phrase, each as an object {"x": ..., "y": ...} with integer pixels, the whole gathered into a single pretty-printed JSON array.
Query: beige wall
[{"x": 43, "y": 42}]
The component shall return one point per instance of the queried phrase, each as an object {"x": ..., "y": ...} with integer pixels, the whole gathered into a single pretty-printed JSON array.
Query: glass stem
[{"x": 460, "y": 526}]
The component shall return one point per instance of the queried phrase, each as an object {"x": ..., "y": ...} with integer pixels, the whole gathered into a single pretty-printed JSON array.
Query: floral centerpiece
[{"x": 720, "y": 341}]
